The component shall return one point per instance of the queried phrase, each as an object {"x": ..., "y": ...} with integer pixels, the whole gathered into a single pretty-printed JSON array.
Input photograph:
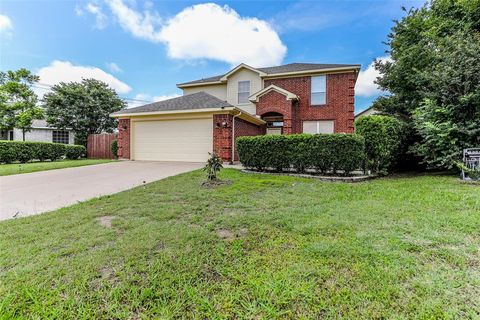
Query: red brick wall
[
  {"x": 274, "y": 101},
  {"x": 222, "y": 136},
  {"x": 339, "y": 106},
  {"x": 245, "y": 128},
  {"x": 123, "y": 139}
]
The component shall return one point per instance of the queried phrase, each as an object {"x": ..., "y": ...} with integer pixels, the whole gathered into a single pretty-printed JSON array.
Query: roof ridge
[{"x": 292, "y": 67}]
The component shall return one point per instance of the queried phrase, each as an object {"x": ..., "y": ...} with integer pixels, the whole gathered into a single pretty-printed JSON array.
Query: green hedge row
[
  {"x": 321, "y": 152},
  {"x": 383, "y": 141},
  {"x": 13, "y": 151}
]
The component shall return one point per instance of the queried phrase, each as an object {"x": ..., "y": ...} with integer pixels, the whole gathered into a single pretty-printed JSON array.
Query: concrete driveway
[{"x": 37, "y": 192}]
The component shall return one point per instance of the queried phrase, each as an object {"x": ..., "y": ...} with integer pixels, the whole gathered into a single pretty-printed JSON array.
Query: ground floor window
[
  {"x": 60, "y": 136},
  {"x": 323, "y": 126}
]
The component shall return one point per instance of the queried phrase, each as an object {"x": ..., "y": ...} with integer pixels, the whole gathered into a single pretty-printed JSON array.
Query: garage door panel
[{"x": 173, "y": 140}]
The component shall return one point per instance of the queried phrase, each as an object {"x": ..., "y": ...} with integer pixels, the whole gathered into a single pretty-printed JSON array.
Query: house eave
[
  {"x": 264, "y": 75},
  {"x": 230, "y": 110},
  {"x": 189, "y": 85},
  {"x": 317, "y": 71}
]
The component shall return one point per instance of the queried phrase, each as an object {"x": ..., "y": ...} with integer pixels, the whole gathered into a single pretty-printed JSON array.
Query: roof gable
[
  {"x": 288, "y": 95},
  {"x": 239, "y": 67}
]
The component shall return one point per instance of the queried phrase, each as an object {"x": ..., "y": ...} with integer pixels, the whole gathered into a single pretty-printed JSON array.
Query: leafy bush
[
  {"x": 114, "y": 148},
  {"x": 472, "y": 173},
  {"x": 12, "y": 151},
  {"x": 322, "y": 152},
  {"x": 73, "y": 152},
  {"x": 383, "y": 141}
]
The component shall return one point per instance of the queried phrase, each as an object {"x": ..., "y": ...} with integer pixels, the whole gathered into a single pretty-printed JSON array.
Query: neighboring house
[
  {"x": 367, "y": 112},
  {"x": 40, "y": 132},
  {"x": 286, "y": 99}
]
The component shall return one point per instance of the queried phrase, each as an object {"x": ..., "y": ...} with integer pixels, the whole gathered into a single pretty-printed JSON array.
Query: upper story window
[
  {"x": 243, "y": 91},
  {"x": 319, "y": 90},
  {"x": 60, "y": 136}
]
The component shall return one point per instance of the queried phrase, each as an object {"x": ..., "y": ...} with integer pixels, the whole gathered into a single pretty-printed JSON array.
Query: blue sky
[{"x": 143, "y": 48}]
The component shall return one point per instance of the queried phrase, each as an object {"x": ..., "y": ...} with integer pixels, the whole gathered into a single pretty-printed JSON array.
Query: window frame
[
  {"x": 60, "y": 136},
  {"x": 247, "y": 92},
  {"x": 312, "y": 92},
  {"x": 317, "y": 123}
]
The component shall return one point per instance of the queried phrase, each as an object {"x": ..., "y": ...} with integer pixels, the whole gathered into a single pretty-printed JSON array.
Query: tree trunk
[{"x": 23, "y": 134}]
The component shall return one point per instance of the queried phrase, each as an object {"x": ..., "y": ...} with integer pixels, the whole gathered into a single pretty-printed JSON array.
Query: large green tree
[
  {"x": 85, "y": 107},
  {"x": 18, "y": 102},
  {"x": 433, "y": 78}
]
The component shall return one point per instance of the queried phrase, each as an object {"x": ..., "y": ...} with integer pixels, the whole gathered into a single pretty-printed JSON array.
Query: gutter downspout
[{"x": 233, "y": 136}]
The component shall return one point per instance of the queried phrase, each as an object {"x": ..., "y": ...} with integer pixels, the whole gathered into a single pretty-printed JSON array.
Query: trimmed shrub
[
  {"x": 114, "y": 148},
  {"x": 51, "y": 151},
  {"x": 13, "y": 151},
  {"x": 322, "y": 152},
  {"x": 74, "y": 152},
  {"x": 300, "y": 151},
  {"x": 383, "y": 140}
]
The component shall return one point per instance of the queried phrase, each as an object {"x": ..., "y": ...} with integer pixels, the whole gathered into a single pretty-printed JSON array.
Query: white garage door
[{"x": 173, "y": 140}]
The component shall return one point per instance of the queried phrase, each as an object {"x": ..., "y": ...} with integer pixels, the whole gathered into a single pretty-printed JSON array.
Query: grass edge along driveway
[
  {"x": 266, "y": 247},
  {"x": 18, "y": 168}
]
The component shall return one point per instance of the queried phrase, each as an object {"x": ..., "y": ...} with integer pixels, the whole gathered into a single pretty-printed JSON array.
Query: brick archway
[{"x": 275, "y": 102}]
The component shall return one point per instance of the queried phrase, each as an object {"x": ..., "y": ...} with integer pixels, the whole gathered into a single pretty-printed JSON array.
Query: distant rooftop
[{"x": 286, "y": 68}]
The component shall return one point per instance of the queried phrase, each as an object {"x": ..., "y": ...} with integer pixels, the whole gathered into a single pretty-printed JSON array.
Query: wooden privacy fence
[{"x": 99, "y": 145}]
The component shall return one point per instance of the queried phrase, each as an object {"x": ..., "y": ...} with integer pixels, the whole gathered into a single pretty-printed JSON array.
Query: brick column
[
  {"x": 123, "y": 139},
  {"x": 222, "y": 136}
]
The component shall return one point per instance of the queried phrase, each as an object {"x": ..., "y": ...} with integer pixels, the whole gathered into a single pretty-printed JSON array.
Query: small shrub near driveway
[
  {"x": 383, "y": 140},
  {"x": 20, "y": 151},
  {"x": 322, "y": 152},
  {"x": 74, "y": 152},
  {"x": 114, "y": 148}
]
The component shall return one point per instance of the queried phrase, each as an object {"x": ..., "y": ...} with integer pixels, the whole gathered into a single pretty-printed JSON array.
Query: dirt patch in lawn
[
  {"x": 105, "y": 221},
  {"x": 229, "y": 235},
  {"x": 210, "y": 184}
]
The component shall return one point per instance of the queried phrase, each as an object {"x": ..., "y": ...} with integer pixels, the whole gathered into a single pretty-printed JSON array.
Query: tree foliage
[
  {"x": 18, "y": 102},
  {"x": 383, "y": 141},
  {"x": 433, "y": 78},
  {"x": 85, "y": 107}
]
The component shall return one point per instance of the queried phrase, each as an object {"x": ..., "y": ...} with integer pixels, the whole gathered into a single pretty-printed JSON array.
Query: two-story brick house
[{"x": 286, "y": 99}]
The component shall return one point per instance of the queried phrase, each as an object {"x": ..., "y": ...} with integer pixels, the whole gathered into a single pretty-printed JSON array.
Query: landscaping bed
[
  {"x": 353, "y": 177},
  {"x": 263, "y": 247}
]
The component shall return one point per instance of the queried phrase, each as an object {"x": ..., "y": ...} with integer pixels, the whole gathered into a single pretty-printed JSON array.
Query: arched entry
[{"x": 274, "y": 122}]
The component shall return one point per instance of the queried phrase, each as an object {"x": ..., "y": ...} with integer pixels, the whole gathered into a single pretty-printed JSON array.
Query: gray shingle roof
[
  {"x": 295, "y": 67},
  {"x": 291, "y": 67},
  {"x": 198, "y": 100}
]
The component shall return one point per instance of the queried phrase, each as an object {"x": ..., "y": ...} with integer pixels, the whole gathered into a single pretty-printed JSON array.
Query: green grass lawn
[
  {"x": 263, "y": 247},
  {"x": 16, "y": 168}
]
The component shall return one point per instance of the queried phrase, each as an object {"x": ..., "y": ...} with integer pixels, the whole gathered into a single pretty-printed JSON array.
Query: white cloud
[
  {"x": 165, "y": 97},
  {"x": 113, "y": 67},
  {"x": 144, "y": 98},
  {"x": 144, "y": 25},
  {"x": 65, "y": 71},
  {"x": 78, "y": 10},
  {"x": 205, "y": 31},
  {"x": 365, "y": 86},
  {"x": 220, "y": 33},
  {"x": 5, "y": 23},
  {"x": 101, "y": 20}
]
